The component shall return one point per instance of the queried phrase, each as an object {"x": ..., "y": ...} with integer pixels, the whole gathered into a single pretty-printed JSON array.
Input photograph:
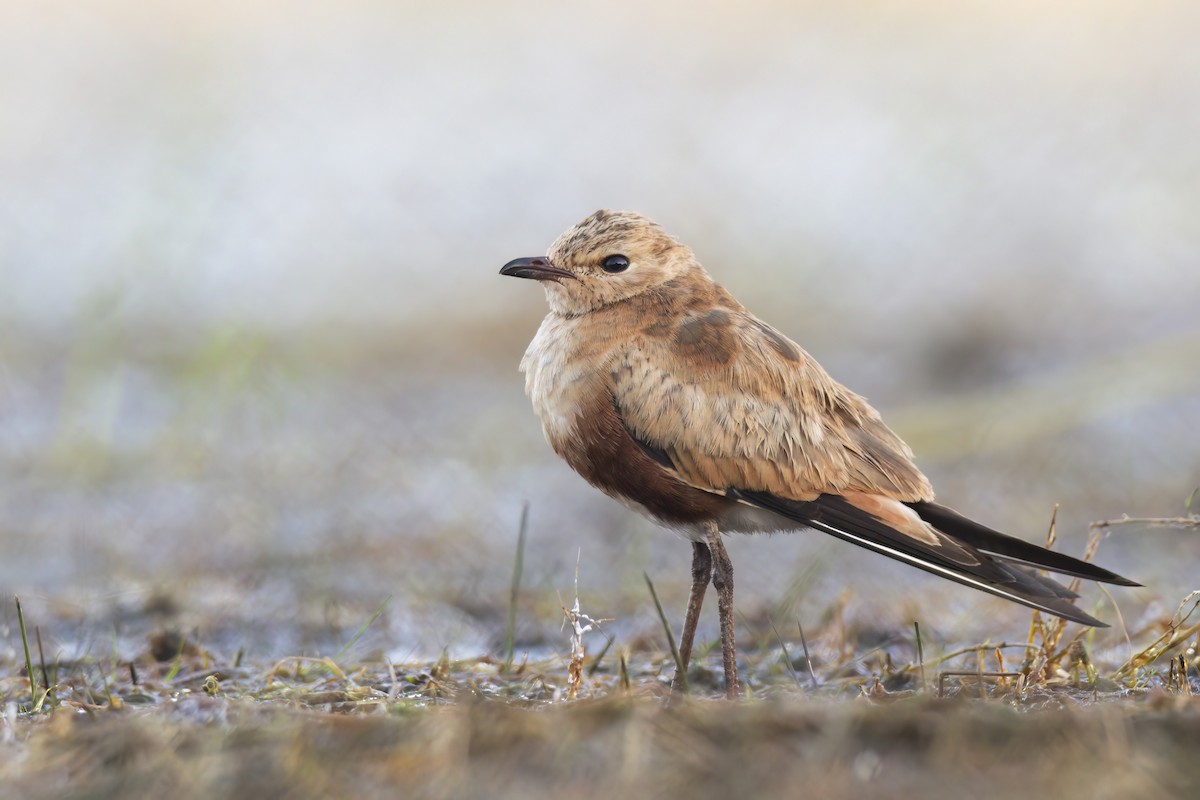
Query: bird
[{"x": 662, "y": 391}]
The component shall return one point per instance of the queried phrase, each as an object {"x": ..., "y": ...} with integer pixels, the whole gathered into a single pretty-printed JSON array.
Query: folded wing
[
  {"x": 729, "y": 405},
  {"x": 732, "y": 402}
]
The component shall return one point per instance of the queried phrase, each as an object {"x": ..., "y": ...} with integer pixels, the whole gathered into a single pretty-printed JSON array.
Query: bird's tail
[{"x": 941, "y": 541}]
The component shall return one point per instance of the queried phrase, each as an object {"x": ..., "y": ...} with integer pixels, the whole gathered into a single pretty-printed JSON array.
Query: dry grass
[
  {"x": 291, "y": 537},
  {"x": 999, "y": 719},
  {"x": 476, "y": 746}
]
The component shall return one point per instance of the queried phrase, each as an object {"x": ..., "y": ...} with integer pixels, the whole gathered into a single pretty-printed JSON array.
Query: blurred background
[{"x": 258, "y": 370}]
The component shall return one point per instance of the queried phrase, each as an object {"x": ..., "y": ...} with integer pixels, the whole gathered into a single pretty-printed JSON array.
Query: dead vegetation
[
  {"x": 825, "y": 710},
  {"x": 303, "y": 549}
]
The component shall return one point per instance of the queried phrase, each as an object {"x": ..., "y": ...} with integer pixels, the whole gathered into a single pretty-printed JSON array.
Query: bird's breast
[
  {"x": 558, "y": 377},
  {"x": 566, "y": 377}
]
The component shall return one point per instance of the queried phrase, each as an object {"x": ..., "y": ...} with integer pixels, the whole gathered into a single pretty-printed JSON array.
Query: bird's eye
[{"x": 616, "y": 263}]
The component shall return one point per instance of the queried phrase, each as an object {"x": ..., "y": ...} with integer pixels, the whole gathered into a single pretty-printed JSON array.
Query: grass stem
[
  {"x": 920, "y": 656},
  {"x": 37, "y": 629},
  {"x": 25, "y": 644},
  {"x": 510, "y": 632},
  {"x": 787, "y": 657},
  {"x": 807, "y": 658},
  {"x": 337, "y": 656},
  {"x": 683, "y": 681}
]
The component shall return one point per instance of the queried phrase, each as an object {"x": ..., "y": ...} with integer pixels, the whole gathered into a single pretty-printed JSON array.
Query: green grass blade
[
  {"x": 363, "y": 629},
  {"x": 510, "y": 633},
  {"x": 25, "y": 644},
  {"x": 683, "y": 681}
]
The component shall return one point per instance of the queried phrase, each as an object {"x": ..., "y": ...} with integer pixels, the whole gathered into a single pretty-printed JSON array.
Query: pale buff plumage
[
  {"x": 663, "y": 391},
  {"x": 730, "y": 400}
]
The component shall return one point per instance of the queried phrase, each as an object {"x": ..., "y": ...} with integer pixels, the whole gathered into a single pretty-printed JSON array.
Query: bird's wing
[
  {"x": 734, "y": 403},
  {"x": 729, "y": 405},
  {"x": 886, "y": 526}
]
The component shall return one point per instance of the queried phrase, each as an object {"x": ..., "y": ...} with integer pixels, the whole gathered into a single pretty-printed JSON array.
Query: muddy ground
[{"x": 253, "y": 567}]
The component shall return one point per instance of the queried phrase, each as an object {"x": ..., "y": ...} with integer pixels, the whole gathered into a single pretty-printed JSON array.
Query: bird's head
[{"x": 606, "y": 258}]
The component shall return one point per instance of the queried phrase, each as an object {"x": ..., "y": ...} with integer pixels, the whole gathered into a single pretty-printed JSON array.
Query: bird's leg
[
  {"x": 722, "y": 579},
  {"x": 701, "y": 575}
]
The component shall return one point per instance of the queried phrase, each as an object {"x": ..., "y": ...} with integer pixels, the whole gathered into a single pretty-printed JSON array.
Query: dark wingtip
[
  {"x": 950, "y": 522},
  {"x": 1070, "y": 612},
  {"x": 1104, "y": 576}
]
